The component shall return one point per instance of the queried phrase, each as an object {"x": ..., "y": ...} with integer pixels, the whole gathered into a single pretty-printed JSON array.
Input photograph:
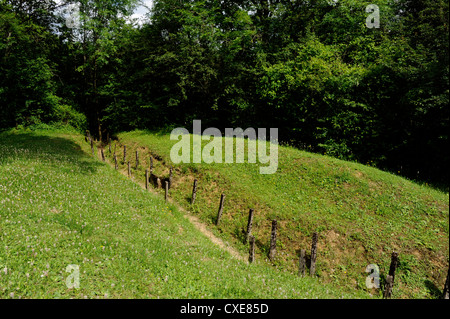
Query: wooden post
[
  {"x": 388, "y": 287},
  {"x": 151, "y": 165},
  {"x": 312, "y": 270},
  {"x": 251, "y": 257},
  {"x": 302, "y": 263},
  {"x": 146, "y": 179},
  {"x": 167, "y": 190},
  {"x": 445, "y": 293},
  {"x": 158, "y": 182},
  {"x": 124, "y": 153},
  {"x": 273, "y": 241},
  {"x": 115, "y": 162},
  {"x": 137, "y": 159},
  {"x": 393, "y": 266},
  {"x": 249, "y": 225},
  {"x": 194, "y": 192},
  {"x": 170, "y": 177},
  {"x": 129, "y": 169},
  {"x": 92, "y": 147},
  {"x": 219, "y": 213},
  {"x": 103, "y": 155}
]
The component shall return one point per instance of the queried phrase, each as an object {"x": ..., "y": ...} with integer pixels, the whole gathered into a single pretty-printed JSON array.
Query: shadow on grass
[
  {"x": 307, "y": 259},
  {"x": 435, "y": 292},
  {"x": 32, "y": 145}
]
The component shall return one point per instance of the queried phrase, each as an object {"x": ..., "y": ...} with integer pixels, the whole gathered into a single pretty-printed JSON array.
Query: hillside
[
  {"x": 365, "y": 84},
  {"x": 361, "y": 214},
  {"x": 60, "y": 206}
]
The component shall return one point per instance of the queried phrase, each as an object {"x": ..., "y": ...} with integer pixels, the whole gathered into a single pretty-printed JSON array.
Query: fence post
[
  {"x": 249, "y": 225},
  {"x": 388, "y": 287},
  {"x": 390, "y": 278},
  {"x": 129, "y": 169},
  {"x": 273, "y": 240},
  {"x": 445, "y": 293},
  {"x": 219, "y": 213},
  {"x": 251, "y": 257},
  {"x": 170, "y": 177},
  {"x": 103, "y": 155},
  {"x": 151, "y": 165},
  {"x": 158, "y": 182},
  {"x": 194, "y": 192},
  {"x": 302, "y": 263},
  {"x": 146, "y": 179},
  {"x": 115, "y": 162},
  {"x": 393, "y": 266},
  {"x": 92, "y": 147},
  {"x": 137, "y": 159},
  {"x": 312, "y": 270},
  {"x": 167, "y": 190}
]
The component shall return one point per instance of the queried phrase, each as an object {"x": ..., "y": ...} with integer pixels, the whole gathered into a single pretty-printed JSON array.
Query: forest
[{"x": 311, "y": 68}]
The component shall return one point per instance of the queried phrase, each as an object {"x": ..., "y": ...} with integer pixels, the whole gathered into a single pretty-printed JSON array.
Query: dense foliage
[{"x": 311, "y": 68}]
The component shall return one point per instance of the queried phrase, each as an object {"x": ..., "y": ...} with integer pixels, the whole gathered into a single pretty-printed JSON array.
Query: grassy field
[
  {"x": 60, "y": 206},
  {"x": 361, "y": 214}
]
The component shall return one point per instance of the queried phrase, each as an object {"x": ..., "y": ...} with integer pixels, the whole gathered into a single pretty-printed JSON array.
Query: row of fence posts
[
  {"x": 302, "y": 259},
  {"x": 249, "y": 238},
  {"x": 148, "y": 172}
]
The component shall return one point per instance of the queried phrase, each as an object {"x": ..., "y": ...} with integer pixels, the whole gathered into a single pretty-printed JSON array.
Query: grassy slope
[
  {"x": 361, "y": 213},
  {"x": 59, "y": 206}
]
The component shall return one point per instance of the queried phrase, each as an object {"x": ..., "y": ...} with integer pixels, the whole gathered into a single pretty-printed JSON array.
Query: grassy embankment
[
  {"x": 362, "y": 214},
  {"x": 59, "y": 207}
]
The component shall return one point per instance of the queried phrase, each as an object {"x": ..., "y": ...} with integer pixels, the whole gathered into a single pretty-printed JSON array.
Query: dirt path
[{"x": 188, "y": 215}]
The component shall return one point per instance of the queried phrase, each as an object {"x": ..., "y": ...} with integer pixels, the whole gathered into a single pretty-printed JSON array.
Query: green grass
[
  {"x": 362, "y": 214},
  {"x": 59, "y": 206}
]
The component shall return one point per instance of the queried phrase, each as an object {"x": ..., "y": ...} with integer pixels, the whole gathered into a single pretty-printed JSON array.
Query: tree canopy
[{"x": 311, "y": 68}]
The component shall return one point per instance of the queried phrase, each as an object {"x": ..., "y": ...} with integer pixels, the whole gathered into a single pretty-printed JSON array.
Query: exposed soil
[{"x": 188, "y": 215}]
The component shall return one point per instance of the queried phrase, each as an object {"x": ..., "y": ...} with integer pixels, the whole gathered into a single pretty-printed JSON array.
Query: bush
[{"x": 65, "y": 114}]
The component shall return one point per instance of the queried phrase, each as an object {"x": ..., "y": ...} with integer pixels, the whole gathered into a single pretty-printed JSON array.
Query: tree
[
  {"x": 27, "y": 94},
  {"x": 101, "y": 21}
]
